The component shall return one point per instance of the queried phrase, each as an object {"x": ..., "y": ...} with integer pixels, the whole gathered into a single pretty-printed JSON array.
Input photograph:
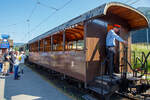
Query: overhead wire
[
  {"x": 44, "y": 5},
  {"x": 134, "y": 2},
  {"x": 32, "y": 11},
  {"x": 50, "y": 16},
  {"x": 127, "y": 1},
  {"x": 28, "y": 26},
  {"x": 58, "y": 9},
  {"x": 14, "y": 24},
  {"x": 44, "y": 20},
  {"x": 7, "y": 32},
  {"x": 29, "y": 18},
  {"x": 31, "y": 14},
  {"x": 65, "y": 4}
]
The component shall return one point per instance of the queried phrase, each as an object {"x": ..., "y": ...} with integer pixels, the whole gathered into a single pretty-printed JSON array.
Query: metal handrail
[
  {"x": 143, "y": 56},
  {"x": 143, "y": 63}
]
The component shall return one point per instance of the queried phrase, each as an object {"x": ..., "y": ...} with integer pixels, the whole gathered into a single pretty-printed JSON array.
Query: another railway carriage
[{"x": 77, "y": 47}]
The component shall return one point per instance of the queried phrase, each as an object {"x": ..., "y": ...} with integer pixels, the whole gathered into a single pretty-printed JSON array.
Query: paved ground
[{"x": 30, "y": 87}]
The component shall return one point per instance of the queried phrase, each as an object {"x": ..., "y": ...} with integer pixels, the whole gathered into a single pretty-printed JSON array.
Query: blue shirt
[{"x": 111, "y": 37}]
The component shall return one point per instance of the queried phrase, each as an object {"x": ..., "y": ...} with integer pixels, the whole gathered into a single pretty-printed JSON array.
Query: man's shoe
[
  {"x": 21, "y": 71},
  {"x": 16, "y": 78},
  {"x": 7, "y": 74}
]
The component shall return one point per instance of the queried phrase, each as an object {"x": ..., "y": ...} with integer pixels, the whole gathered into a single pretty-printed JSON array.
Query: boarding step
[
  {"x": 104, "y": 84},
  {"x": 108, "y": 87},
  {"x": 88, "y": 97},
  {"x": 98, "y": 90},
  {"x": 103, "y": 91},
  {"x": 106, "y": 79}
]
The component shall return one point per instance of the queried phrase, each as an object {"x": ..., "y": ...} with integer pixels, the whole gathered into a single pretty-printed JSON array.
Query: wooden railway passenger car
[{"x": 77, "y": 47}]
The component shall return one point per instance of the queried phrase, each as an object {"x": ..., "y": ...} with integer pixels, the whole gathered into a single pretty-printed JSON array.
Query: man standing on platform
[
  {"x": 22, "y": 60},
  {"x": 1, "y": 62},
  {"x": 6, "y": 63},
  {"x": 16, "y": 65},
  {"x": 110, "y": 46},
  {"x": 12, "y": 60}
]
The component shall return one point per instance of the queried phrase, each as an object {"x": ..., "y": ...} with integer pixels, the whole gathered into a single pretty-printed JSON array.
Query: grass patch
[{"x": 138, "y": 48}]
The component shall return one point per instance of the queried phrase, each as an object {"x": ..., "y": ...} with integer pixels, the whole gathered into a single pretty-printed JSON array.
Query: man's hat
[{"x": 117, "y": 26}]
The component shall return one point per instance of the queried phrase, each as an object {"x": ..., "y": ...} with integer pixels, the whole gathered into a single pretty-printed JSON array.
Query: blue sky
[{"x": 15, "y": 13}]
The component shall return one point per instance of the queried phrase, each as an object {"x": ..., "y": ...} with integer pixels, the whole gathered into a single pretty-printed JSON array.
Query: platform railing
[
  {"x": 106, "y": 59},
  {"x": 142, "y": 61}
]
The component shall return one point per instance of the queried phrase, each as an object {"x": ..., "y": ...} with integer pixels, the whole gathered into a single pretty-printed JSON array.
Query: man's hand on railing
[{"x": 125, "y": 43}]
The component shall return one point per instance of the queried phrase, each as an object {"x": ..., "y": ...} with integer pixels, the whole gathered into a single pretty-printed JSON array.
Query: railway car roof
[{"x": 134, "y": 18}]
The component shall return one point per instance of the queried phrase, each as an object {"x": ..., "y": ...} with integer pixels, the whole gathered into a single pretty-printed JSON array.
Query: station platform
[{"x": 31, "y": 86}]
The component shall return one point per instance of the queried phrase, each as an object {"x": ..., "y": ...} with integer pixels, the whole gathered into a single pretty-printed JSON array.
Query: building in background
[{"x": 5, "y": 43}]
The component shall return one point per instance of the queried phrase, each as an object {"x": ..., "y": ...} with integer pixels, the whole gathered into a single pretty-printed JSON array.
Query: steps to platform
[
  {"x": 99, "y": 90},
  {"x": 104, "y": 85},
  {"x": 106, "y": 79}
]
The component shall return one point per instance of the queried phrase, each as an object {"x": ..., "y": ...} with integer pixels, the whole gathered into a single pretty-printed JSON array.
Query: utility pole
[
  {"x": 28, "y": 23},
  {"x": 147, "y": 38},
  {"x": 147, "y": 31}
]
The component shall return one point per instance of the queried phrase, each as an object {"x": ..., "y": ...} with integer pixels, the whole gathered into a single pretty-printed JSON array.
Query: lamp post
[
  {"x": 147, "y": 38},
  {"x": 147, "y": 31}
]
